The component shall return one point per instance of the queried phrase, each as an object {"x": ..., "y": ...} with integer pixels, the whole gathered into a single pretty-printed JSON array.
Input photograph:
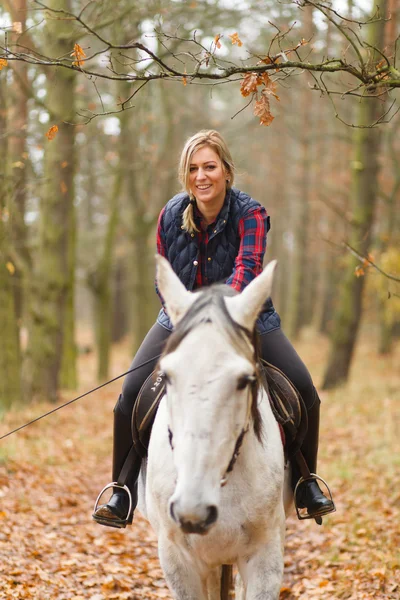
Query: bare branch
[{"x": 366, "y": 259}]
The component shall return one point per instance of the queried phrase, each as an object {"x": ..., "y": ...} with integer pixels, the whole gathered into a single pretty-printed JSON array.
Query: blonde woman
[{"x": 211, "y": 232}]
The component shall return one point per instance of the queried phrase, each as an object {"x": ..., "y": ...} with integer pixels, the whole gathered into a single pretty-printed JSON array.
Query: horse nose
[
  {"x": 192, "y": 523},
  {"x": 212, "y": 515},
  {"x": 172, "y": 512}
]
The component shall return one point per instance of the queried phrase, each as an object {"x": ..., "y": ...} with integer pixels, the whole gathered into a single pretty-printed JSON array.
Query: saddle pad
[
  {"x": 145, "y": 409},
  {"x": 287, "y": 405}
]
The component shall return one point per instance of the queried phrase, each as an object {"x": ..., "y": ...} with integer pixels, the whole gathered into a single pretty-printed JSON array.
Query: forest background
[{"x": 91, "y": 132}]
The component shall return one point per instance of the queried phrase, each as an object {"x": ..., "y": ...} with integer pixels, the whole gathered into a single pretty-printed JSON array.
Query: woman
[{"x": 210, "y": 233}]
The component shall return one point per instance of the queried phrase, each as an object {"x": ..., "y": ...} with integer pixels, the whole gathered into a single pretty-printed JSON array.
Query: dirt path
[{"x": 51, "y": 472}]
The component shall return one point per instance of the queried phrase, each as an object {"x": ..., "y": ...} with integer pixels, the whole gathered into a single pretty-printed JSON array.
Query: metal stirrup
[
  {"x": 321, "y": 513},
  {"x": 115, "y": 484}
]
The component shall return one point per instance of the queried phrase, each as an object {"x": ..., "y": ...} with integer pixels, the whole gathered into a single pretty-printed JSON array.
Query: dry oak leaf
[
  {"x": 3, "y": 63},
  {"x": 270, "y": 86},
  {"x": 216, "y": 40},
  {"x": 235, "y": 39},
  {"x": 51, "y": 134},
  {"x": 79, "y": 56},
  {"x": 262, "y": 109},
  {"x": 249, "y": 84}
]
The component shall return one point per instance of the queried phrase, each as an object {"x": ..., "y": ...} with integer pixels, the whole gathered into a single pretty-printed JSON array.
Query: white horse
[{"x": 215, "y": 427}]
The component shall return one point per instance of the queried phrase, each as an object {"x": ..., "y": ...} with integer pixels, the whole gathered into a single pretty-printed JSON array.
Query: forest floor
[{"x": 51, "y": 472}]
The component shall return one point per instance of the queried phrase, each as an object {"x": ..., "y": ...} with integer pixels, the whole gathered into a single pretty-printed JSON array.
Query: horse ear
[
  {"x": 245, "y": 308},
  {"x": 176, "y": 297}
]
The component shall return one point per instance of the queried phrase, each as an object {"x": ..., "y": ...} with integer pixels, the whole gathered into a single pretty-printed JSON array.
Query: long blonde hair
[{"x": 213, "y": 139}]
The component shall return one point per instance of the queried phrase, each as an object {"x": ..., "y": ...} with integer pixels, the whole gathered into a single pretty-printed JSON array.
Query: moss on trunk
[
  {"x": 52, "y": 285},
  {"x": 364, "y": 185}
]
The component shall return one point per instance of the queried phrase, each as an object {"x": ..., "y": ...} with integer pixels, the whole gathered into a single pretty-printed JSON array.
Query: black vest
[{"x": 222, "y": 248}]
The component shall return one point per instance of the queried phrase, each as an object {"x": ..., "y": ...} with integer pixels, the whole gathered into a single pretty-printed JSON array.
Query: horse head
[{"x": 211, "y": 373}]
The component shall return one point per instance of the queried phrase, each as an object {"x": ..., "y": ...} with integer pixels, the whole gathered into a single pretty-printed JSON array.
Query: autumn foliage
[
  {"x": 52, "y": 132},
  {"x": 79, "y": 55},
  {"x": 262, "y": 87},
  {"x": 51, "y": 473}
]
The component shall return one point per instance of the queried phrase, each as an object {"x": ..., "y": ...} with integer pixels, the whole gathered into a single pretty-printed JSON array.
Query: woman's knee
[
  {"x": 278, "y": 350},
  {"x": 306, "y": 389},
  {"x": 130, "y": 391}
]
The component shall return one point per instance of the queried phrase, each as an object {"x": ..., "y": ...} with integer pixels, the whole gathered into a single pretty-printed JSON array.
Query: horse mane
[{"x": 210, "y": 307}]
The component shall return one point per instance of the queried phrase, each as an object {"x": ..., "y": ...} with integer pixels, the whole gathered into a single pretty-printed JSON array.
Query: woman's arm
[{"x": 253, "y": 229}]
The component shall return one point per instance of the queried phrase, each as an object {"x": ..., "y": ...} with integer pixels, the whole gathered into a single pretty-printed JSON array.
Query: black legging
[{"x": 275, "y": 349}]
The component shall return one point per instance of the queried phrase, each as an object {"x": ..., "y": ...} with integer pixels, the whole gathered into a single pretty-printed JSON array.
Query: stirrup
[
  {"x": 117, "y": 522},
  {"x": 323, "y": 511}
]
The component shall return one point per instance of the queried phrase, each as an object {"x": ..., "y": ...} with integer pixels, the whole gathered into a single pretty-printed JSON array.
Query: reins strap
[
  {"x": 301, "y": 463},
  {"x": 127, "y": 466}
]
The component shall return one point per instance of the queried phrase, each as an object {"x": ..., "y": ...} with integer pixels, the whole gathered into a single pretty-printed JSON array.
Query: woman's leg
[
  {"x": 115, "y": 512},
  {"x": 277, "y": 350}
]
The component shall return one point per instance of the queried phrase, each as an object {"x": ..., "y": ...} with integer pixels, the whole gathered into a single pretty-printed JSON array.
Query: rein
[{"x": 78, "y": 398}]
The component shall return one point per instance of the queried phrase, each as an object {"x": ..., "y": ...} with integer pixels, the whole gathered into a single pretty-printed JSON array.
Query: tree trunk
[
  {"x": 10, "y": 385},
  {"x": 144, "y": 298},
  {"x": 18, "y": 158},
  {"x": 51, "y": 309},
  {"x": 299, "y": 269},
  {"x": 120, "y": 317},
  {"x": 100, "y": 284},
  {"x": 391, "y": 207},
  {"x": 365, "y": 168}
]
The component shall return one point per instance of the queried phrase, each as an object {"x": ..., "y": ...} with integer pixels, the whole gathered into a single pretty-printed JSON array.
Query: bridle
[
  {"x": 250, "y": 395},
  {"x": 252, "y": 387}
]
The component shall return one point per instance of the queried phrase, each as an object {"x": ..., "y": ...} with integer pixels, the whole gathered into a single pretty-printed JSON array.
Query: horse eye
[
  {"x": 246, "y": 380},
  {"x": 166, "y": 378}
]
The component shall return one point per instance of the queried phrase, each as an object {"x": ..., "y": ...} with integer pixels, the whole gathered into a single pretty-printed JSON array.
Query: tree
[
  {"x": 52, "y": 293},
  {"x": 10, "y": 383},
  {"x": 191, "y": 57},
  {"x": 364, "y": 186}
]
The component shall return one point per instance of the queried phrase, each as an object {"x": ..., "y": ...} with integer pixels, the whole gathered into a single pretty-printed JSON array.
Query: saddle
[{"x": 286, "y": 403}]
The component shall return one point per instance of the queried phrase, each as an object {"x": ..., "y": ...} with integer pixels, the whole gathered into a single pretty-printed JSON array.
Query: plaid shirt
[{"x": 252, "y": 231}]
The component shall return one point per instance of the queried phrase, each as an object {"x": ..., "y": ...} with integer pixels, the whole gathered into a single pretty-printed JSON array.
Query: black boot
[
  {"x": 309, "y": 494},
  {"x": 116, "y": 512}
]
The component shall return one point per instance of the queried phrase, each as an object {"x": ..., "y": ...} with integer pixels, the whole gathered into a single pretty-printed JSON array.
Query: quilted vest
[{"x": 223, "y": 247}]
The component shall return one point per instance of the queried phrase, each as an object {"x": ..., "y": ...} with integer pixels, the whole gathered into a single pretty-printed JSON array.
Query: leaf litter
[{"x": 51, "y": 473}]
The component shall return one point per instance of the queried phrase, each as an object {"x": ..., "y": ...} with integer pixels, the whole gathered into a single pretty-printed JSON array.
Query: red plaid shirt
[{"x": 252, "y": 230}]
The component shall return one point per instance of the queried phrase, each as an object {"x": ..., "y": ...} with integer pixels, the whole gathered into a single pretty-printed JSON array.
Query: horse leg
[
  {"x": 183, "y": 580},
  {"x": 262, "y": 572}
]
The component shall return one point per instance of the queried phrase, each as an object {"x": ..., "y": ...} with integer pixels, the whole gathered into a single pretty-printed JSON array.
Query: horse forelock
[{"x": 210, "y": 307}]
